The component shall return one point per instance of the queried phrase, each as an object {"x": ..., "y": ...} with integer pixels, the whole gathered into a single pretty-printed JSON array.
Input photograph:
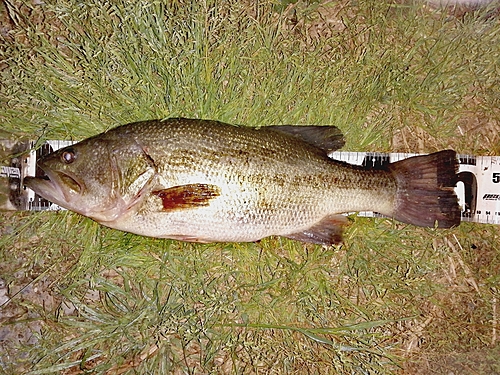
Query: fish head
[{"x": 81, "y": 178}]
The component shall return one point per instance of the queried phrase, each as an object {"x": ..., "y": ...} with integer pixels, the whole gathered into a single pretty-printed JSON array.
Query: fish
[{"x": 206, "y": 181}]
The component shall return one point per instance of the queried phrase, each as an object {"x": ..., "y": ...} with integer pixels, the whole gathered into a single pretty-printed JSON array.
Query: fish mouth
[{"x": 58, "y": 187}]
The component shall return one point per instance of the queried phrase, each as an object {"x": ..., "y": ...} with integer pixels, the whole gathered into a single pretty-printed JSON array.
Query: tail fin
[{"x": 425, "y": 195}]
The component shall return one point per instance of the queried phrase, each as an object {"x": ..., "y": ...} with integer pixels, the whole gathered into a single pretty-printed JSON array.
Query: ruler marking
[{"x": 476, "y": 189}]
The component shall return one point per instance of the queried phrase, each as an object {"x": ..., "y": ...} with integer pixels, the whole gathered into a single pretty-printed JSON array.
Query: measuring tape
[{"x": 478, "y": 189}]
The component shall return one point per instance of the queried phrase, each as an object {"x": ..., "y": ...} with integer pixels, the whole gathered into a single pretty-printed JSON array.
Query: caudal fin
[{"x": 425, "y": 195}]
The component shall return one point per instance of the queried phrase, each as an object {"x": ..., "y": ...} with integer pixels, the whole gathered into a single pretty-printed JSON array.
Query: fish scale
[{"x": 206, "y": 181}]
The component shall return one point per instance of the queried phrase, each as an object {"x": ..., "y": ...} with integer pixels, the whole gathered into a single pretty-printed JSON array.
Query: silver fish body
[{"x": 206, "y": 181}]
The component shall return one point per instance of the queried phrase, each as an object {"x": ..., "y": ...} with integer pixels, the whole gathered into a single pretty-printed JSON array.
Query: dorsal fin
[{"x": 327, "y": 138}]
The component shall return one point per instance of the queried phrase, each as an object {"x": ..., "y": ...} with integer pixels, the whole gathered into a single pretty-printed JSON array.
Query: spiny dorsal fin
[{"x": 327, "y": 138}]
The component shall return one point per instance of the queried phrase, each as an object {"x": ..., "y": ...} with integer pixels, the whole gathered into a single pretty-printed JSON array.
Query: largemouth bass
[{"x": 206, "y": 181}]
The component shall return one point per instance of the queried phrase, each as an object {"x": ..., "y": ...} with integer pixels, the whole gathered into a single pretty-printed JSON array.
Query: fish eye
[{"x": 68, "y": 156}]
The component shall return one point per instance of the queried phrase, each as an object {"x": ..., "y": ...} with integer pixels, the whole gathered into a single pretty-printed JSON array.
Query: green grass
[{"x": 392, "y": 299}]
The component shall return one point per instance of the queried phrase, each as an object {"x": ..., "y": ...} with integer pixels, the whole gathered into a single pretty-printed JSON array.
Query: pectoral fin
[
  {"x": 187, "y": 196},
  {"x": 327, "y": 232}
]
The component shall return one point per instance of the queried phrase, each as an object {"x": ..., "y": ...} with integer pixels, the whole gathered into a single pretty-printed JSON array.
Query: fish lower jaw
[{"x": 47, "y": 189}]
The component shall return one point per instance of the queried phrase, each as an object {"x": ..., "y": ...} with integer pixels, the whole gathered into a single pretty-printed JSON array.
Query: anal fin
[
  {"x": 187, "y": 196},
  {"x": 326, "y": 232}
]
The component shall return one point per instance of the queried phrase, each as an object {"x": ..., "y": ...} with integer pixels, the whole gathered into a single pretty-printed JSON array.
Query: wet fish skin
[{"x": 206, "y": 181}]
